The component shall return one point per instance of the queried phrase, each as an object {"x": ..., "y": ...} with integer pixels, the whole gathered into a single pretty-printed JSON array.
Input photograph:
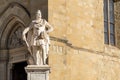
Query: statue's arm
[
  {"x": 24, "y": 34},
  {"x": 49, "y": 27}
]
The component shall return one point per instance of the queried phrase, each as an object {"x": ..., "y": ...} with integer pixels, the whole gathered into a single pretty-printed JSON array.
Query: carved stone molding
[
  {"x": 18, "y": 55},
  {"x": 3, "y": 55},
  {"x": 8, "y": 17}
]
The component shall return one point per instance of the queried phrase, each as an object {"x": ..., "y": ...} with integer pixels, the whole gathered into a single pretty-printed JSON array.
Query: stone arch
[
  {"x": 11, "y": 5},
  {"x": 14, "y": 13},
  {"x": 14, "y": 35}
]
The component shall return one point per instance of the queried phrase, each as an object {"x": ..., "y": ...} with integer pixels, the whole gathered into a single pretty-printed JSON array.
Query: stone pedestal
[{"x": 37, "y": 72}]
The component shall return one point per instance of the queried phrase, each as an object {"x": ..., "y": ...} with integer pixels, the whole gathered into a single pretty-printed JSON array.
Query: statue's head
[{"x": 38, "y": 14}]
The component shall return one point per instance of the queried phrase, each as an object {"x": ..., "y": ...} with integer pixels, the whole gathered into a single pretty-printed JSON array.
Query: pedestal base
[{"x": 37, "y": 72}]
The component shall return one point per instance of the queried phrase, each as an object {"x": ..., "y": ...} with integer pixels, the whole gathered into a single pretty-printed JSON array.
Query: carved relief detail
[
  {"x": 58, "y": 49},
  {"x": 15, "y": 39}
]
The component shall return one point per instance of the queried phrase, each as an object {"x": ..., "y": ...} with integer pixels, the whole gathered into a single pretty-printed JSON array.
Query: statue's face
[{"x": 38, "y": 15}]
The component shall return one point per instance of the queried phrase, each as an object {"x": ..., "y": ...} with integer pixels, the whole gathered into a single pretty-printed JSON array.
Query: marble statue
[{"x": 37, "y": 39}]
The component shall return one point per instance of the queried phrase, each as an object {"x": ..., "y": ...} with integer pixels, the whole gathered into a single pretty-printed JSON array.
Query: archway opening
[{"x": 18, "y": 71}]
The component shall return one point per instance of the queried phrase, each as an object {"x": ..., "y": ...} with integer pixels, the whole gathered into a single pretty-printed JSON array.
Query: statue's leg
[
  {"x": 39, "y": 57},
  {"x": 47, "y": 49},
  {"x": 36, "y": 55},
  {"x": 44, "y": 54}
]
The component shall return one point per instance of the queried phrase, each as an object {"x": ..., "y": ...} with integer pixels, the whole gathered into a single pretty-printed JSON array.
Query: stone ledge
[{"x": 37, "y": 68}]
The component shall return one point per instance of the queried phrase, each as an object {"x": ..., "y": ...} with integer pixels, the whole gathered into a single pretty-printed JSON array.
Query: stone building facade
[{"x": 77, "y": 50}]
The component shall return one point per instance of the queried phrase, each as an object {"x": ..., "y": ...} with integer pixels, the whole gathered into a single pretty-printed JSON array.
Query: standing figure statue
[{"x": 37, "y": 39}]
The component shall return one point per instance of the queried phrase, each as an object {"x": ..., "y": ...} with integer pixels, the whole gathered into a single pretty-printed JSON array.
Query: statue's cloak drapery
[
  {"x": 30, "y": 35},
  {"x": 30, "y": 38}
]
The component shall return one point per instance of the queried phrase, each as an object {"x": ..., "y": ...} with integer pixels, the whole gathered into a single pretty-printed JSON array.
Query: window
[{"x": 109, "y": 29}]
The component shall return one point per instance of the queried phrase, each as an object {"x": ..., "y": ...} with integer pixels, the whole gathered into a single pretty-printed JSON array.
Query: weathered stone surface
[
  {"x": 88, "y": 58},
  {"x": 80, "y": 23},
  {"x": 117, "y": 22}
]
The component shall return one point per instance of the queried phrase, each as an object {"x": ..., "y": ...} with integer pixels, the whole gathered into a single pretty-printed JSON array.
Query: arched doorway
[
  {"x": 12, "y": 46},
  {"x": 15, "y": 46},
  {"x": 18, "y": 53},
  {"x": 18, "y": 71}
]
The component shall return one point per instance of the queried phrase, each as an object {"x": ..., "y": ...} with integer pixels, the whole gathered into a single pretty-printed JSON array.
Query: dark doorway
[{"x": 18, "y": 72}]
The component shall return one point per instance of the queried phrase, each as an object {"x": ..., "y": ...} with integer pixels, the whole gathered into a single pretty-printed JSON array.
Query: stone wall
[
  {"x": 69, "y": 63},
  {"x": 79, "y": 22},
  {"x": 117, "y": 22},
  {"x": 81, "y": 53}
]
